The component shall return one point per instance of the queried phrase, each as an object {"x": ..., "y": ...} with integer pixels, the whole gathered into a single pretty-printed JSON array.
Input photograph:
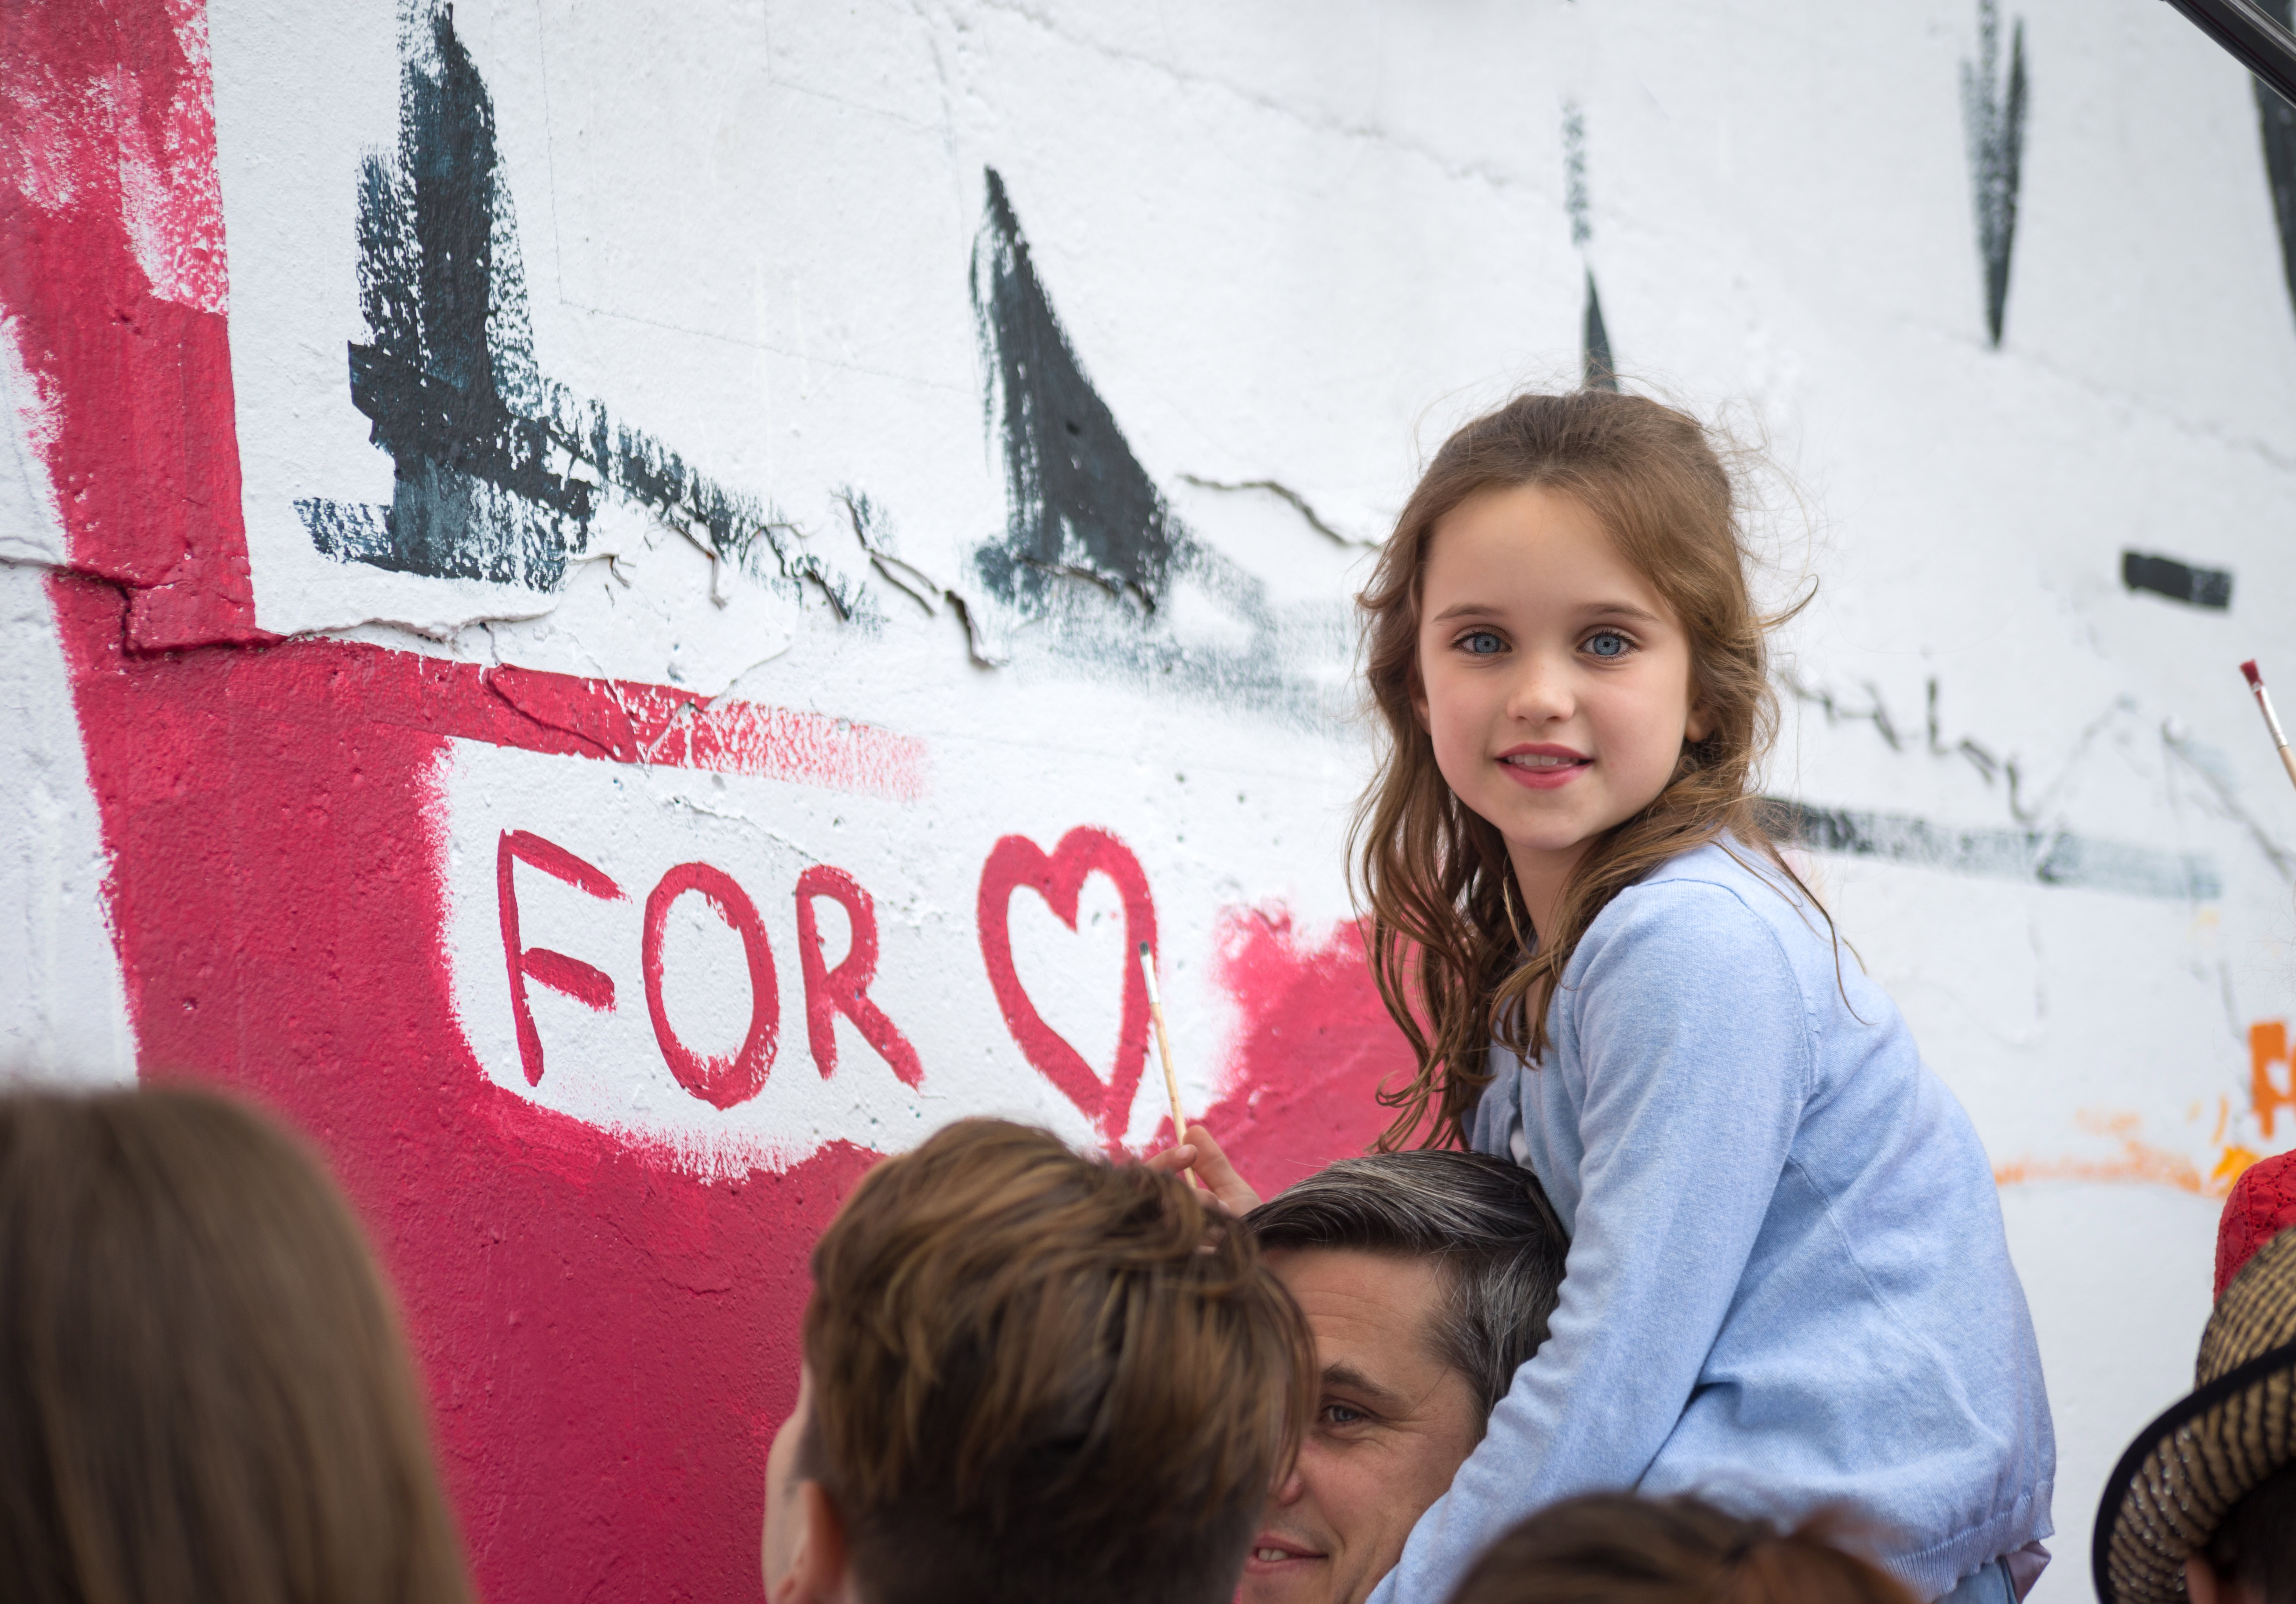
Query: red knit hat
[{"x": 2262, "y": 1205}]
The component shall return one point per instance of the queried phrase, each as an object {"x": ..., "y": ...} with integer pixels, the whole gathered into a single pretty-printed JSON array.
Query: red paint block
[
  {"x": 609, "y": 1344},
  {"x": 107, "y": 181},
  {"x": 1314, "y": 1046}
]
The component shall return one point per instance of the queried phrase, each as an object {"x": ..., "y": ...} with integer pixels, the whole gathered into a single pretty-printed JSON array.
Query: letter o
[{"x": 720, "y": 1082}]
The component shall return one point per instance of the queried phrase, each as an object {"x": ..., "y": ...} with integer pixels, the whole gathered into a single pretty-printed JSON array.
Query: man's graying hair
[{"x": 1487, "y": 1220}]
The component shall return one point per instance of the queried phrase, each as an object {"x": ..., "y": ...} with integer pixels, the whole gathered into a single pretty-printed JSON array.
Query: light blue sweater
[{"x": 1788, "y": 1283}]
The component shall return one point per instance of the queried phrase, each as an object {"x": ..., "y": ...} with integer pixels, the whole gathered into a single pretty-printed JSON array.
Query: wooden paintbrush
[
  {"x": 1164, "y": 1051},
  {"x": 2271, "y": 722}
]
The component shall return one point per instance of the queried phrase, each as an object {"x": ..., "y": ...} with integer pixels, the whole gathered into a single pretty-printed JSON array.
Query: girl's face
[{"x": 1555, "y": 682}]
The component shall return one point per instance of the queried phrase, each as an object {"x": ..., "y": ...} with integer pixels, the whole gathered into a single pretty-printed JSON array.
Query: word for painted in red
[{"x": 843, "y": 989}]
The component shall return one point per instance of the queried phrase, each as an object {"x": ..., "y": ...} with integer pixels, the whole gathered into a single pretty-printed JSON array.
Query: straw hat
[{"x": 2185, "y": 1471}]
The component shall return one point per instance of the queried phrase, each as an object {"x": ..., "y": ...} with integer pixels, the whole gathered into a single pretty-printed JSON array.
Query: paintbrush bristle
[{"x": 2248, "y": 671}]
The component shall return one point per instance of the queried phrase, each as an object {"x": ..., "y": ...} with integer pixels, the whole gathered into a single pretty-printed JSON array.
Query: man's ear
[{"x": 819, "y": 1571}]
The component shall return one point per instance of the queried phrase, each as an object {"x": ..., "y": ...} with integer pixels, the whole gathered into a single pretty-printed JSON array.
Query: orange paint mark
[
  {"x": 2137, "y": 1160},
  {"x": 2268, "y": 1045},
  {"x": 2230, "y": 1168}
]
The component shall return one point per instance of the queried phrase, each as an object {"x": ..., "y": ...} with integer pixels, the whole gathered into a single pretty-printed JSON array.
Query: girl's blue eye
[
  {"x": 1607, "y": 643},
  {"x": 1482, "y": 643}
]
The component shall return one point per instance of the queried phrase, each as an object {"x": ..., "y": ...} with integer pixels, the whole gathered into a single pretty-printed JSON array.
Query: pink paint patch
[
  {"x": 113, "y": 274},
  {"x": 1314, "y": 1046}
]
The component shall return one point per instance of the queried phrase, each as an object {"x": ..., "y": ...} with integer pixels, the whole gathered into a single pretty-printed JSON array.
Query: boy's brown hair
[
  {"x": 1615, "y": 1548},
  {"x": 203, "y": 1392},
  {"x": 1038, "y": 1376}
]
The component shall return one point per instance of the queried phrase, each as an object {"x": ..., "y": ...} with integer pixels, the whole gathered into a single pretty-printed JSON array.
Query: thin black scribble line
[{"x": 1284, "y": 492}]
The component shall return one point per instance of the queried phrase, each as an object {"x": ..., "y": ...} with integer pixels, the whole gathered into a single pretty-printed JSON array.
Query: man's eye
[
  {"x": 1340, "y": 1414},
  {"x": 1482, "y": 643},
  {"x": 1607, "y": 643}
]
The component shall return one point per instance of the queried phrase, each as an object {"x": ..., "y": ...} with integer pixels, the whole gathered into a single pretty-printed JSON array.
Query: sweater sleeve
[{"x": 1693, "y": 1042}]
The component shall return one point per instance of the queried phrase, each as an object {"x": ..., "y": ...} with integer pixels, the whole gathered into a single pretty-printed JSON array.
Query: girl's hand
[{"x": 1198, "y": 1152}]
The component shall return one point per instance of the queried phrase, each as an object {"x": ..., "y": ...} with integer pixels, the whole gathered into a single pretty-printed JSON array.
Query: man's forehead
[{"x": 1370, "y": 1312}]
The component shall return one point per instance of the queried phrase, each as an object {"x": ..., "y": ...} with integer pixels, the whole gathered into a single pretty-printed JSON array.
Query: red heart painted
[{"x": 1017, "y": 862}]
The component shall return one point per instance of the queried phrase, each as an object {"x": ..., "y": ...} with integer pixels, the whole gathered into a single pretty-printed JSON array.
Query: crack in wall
[
  {"x": 1467, "y": 171},
  {"x": 1293, "y": 499},
  {"x": 871, "y": 528}
]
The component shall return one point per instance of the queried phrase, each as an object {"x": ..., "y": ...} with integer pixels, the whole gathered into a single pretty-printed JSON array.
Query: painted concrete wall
[{"x": 616, "y": 608}]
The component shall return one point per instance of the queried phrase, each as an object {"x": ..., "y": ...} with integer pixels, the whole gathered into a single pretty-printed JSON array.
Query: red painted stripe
[
  {"x": 134, "y": 378},
  {"x": 632, "y": 722}
]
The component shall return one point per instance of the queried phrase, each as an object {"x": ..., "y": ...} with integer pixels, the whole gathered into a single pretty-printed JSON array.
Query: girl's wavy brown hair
[{"x": 1448, "y": 932}]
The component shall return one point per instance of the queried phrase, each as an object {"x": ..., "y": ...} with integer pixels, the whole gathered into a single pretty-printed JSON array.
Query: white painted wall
[{"x": 1299, "y": 243}]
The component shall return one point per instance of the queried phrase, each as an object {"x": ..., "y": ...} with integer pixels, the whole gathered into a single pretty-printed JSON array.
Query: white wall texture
[{"x": 1294, "y": 244}]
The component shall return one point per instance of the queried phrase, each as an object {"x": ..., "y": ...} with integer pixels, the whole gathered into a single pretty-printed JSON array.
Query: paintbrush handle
[
  {"x": 1164, "y": 1052},
  {"x": 1171, "y": 1081},
  {"x": 2272, "y": 723}
]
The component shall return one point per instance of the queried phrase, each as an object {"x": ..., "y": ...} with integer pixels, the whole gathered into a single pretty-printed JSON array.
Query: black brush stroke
[
  {"x": 1091, "y": 548},
  {"x": 1993, "y": 114},
  {"x": 2178, "y": 581},
  {"x": 1081, "y": 506},
  {"x": 499, "y": 471},
  {"x": 1597, "y": 370},
  {"x": 2044, "y": 856},
  {"x": 2276, "y": 122}
]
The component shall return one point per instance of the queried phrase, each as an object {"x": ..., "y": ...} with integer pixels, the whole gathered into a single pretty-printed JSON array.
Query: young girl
[{"x": 1788, "y": 1285}]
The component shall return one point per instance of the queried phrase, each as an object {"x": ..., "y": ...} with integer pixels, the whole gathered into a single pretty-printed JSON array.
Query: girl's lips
[{"x": 1543, "y": 768}]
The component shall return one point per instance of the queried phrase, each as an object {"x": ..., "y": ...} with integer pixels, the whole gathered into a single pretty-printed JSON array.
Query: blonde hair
[{"x": 1446, "y": 935}]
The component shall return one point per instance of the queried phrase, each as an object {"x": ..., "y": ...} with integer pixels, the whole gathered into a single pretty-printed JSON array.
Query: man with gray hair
[{"x": 1427, "y": 1278}]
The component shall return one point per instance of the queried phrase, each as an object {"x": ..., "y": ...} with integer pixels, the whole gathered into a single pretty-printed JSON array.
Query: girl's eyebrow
[
  {"x": 1619, "y": 610},
  {"x": 1594, "y": 610}
]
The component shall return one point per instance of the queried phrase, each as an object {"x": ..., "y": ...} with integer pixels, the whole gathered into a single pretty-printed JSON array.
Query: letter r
[{"x": 845, "y": 989}]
